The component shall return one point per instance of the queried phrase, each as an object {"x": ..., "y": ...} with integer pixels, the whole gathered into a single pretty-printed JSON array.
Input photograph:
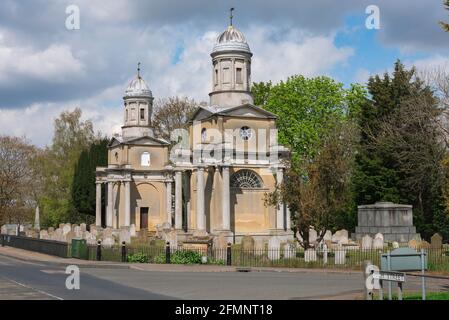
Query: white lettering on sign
[{"x": 389, "y": 276}]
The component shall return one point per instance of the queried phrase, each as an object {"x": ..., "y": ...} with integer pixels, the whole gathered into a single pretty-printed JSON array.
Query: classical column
[
  {"x": 127, "y": 203},
  {"x": 288, "y": 219},
  {"x": 98, "y": 206},
  {"x": 178, "y": 200},
  {"x": 110, "y": 212},
  {"x": 200, "y": 216},
  {"x": 226, "y": 198},
  {"x": 280, "y": 208},
  {"x": 169, "y": 202}
]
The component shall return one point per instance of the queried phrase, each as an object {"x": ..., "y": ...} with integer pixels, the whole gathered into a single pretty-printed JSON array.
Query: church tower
[
  {"x": 231, "y": 59},
  {"x": 138, "y": 101}
]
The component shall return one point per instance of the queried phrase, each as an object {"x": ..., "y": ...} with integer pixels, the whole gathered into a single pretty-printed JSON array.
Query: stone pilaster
[
  {"x": 178, "y": 200},
  {"x": 226, "y": 198},
  {"x": 127, "y": 203},
  {"x": 110, "y": 209},
  {"x": 98, "y": 206},
  {"x": 200, "y": 213},
  {"x": 280, "y": 212},
  {"x": 169, "y": 202}
]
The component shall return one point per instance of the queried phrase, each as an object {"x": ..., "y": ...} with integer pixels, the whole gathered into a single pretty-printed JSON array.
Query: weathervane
[
  {"x": 138, "y": 70},
  {"x": 231, "y": 17}
]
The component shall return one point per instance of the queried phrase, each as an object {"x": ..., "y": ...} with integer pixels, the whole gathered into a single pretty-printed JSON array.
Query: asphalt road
[{"x": 26, "y": 280}]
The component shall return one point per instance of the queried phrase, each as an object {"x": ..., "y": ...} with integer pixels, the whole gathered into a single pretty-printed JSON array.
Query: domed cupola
[
  {"x": 138, "y": 101},
  {"x": 138, "y": 88},
  {"x": 231, "y": 40},
  {"x": 231, "y": 59}
]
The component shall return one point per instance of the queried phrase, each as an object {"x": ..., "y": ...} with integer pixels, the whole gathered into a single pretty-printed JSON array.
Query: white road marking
[
  {"x": 53, "y": 271},
  {"x": 34, "y": 289}
]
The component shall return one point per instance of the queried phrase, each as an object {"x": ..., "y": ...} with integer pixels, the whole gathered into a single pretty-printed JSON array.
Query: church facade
[{"x": 212, "y": 182}]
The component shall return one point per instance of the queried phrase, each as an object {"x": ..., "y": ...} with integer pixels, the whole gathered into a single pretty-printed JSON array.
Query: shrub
[{"x": 138, "y": 257}]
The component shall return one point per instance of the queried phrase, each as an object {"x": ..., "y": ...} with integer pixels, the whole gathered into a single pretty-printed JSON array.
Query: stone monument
[{"x": 394, "y": 221}]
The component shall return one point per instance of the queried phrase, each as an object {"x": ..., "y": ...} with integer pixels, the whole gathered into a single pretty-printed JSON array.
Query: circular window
[{"x": 246, "y": 133}]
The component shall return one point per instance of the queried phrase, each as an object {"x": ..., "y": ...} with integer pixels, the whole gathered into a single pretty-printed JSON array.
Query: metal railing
[{"x": 54, "y": 248}]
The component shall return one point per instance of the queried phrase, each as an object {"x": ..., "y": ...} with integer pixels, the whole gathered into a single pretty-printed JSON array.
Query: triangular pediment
[
  {"x": 144, "y": 140},
  {"x": 245, "y": 110}
]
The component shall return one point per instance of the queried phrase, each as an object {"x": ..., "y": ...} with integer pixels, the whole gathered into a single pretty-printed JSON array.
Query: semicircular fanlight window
[{"x": 246, "y": 179}]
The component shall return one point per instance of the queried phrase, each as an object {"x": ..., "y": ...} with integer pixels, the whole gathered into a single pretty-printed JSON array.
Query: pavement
[{"x": 31, "y": 275}]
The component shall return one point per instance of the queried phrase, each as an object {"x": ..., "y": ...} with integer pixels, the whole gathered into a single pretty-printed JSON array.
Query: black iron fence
[
  {"x": 54, "y": 248},
  {"x": 288, "y": 257}
]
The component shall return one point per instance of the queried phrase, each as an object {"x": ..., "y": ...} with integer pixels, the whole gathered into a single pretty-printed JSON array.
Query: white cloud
[{"x": 54, "y": 64}]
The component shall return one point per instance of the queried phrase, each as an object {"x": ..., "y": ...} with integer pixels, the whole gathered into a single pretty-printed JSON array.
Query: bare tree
[
  {"x": 16, "y": 179},
  {"x": 172, "y": 113},
  {"x": 318, "y": 190}
]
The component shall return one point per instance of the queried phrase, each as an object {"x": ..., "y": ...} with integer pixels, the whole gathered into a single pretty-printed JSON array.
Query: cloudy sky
[{"x": 45, "y": 68}]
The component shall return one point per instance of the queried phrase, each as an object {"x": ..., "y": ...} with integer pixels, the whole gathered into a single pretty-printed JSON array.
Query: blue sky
[{"x": 46, "y": 69}]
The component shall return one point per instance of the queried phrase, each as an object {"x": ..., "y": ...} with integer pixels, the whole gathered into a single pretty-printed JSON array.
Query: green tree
[
  {"x": 400, "y": 152},
  {"x": 83, "y": 188},
  {"x": 305, "y": 109},
  {"x": 57, "y": 167}
]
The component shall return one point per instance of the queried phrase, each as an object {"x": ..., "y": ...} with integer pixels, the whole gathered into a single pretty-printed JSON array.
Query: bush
[
  {"x": 186, "y": 257},
  {"x": 138, "y": 257}
]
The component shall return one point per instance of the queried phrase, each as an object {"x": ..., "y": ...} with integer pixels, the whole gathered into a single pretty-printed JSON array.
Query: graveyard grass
[{"x": 417, "y": 296}]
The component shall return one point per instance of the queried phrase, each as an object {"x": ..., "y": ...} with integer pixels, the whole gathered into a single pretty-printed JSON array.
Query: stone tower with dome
[{"x": 215, "y": 184}]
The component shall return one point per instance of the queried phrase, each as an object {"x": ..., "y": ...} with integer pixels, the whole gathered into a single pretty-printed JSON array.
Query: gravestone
[
  {"x": 219, "y": 247},
  {"x": 379, "y": 236},
  {"x": 378, "y": 243},
  {"x": 108, "y": 242},
  {"x": 325, "y": 253},
  {"x": 327, "y": 236},
  {"x": 340, "y": 237},
  {"x": 69, "y": 236},
  {"x": 66, "y": 229},
  {"x": 107, "y": 233},
  {"x": 259, "y": 247},
  {"x": 289, "y": 251},
  {"x": 94, "y": 229},
  {"x": 340, "y": 256},
  {"x": 310, "y": 255},
  {"x": 43, "y": 234},
  {"x": 395, "y": 244},
  {"x": 172, "y": 237},
  {"x": 51, "y": 230},
  {"x": 90, "y": 238},
  {"x": 247, "y": 243},
  {"x": 74, "y": 226},
  {"x": 274, "y": 245},
  {"x": 413, "y": 244},
  {"x": 78, "y": 232},
  {"x": 312, "y": 236},
  {"x": 423, "y": 245},
  {"x": 83, "y": 227},
  {"x": 132, "y": 230},
  {"x": 367, "y": 242},
  {"x": 436, "y": 241},
  {"x": 124, "y": 235}
]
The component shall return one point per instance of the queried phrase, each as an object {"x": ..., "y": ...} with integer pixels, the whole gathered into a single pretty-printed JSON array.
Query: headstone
[
  {"x": 436, "y": 241},
  {"x": 74, "y": 226},
  {"x": 310, "y": 255},
  {"x": 340, "y": 237},
  {"x": 172, "y": 237},
  {"x": 378, "y": 243},
  {"x": 107, "y": 233},
  {"x": 66, "y": 229},
  {"x": 58, "y": 235},
  {"x": 379, "y": 236},
  {"x": 51, "y": 230},
  {"x": 312, "y": 236},
  {"x": 94, "y": 230},
  {"x": 325, "y": 253},
  {"x": 219, "y": 246},
  {"x": 132, "y": 230},
  {"x": 43, "y": 234},
  {"x": 424, "y": 245},
  {"x": 340, "y": 256},
  {"x": 274, "y": 245},
  {"x": 367, "y": 242},
  {"x": 108, "y": 242},
  {"x": 124, "y": 235},
  {"x": 259, "y": 247},
  {"x": 395, "y": 244},
  {"x": 83, "y": 227},
  {"x": 77, "y": 231},
  {"x": 327, "y": 236},
  {"x": 247, "y": 243},
  {"x": 90, "y": 238},
  {"x": 37, "y": 224},
  {"x": 413, "y": 244},
  {"x": 289, "y": 251},
  {"x": 69, "y": 236}
]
